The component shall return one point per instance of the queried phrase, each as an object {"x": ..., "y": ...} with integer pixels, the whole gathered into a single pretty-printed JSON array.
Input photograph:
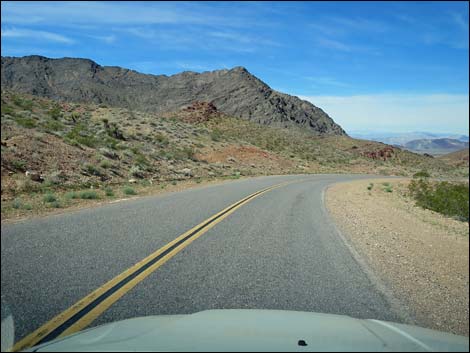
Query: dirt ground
[{"x": 420, "y": 255}]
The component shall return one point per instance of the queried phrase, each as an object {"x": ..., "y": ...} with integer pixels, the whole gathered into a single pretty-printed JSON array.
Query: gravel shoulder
[{"x": 422, "y": 256}]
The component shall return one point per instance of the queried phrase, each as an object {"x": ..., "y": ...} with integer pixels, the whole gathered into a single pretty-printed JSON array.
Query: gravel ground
[{"x": 421, "y": 255}]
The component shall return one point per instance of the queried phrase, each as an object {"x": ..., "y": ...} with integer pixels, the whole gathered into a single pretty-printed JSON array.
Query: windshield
[{"x": 170, "y": 158}]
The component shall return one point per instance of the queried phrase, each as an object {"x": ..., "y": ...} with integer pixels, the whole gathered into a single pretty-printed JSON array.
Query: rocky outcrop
[{"x": 235, "y": 92}]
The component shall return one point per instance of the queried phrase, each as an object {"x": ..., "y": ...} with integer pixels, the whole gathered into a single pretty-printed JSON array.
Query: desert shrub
[
  {"x": 91, "y": 169},
  {"x": 216, "y": 135},
  {"x": 108, "y": 191},
  {"x": 79, "y": 134},
  {"x": 443, "y": 197},
  {"x": 72, "y": 195},
  {"x": 136, "y": 171},
  {"x": 162, "y": 139},
  {"x": 18, "y": 164},
  {"x": 56, "y": 204},
  {"x": 6, "y": 109},
  {"x": 105, "y": 164},
  {"x": 17, "y": 203},
  {"x": 89, "y": 195},
  {"x": 23, "y": 103},
  {"x": 421, "y": 174},
  {"x": 49, "y": 198},
  {"x": 141, "y": 160},
  {"x": 371, "y": 185},
  {"x": 114, "y": 131},
  {"x": 75, "y": 116},
  {"x": 129, "y": 191},
  {"x": 53, "y": 125},
  {"x": 55, "y": 112},
  {"x": 26, "y": 122},
  {"x": 183, "y": 153}
]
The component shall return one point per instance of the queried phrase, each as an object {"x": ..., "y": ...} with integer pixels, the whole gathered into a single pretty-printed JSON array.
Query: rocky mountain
[
  {"x": 235, "y": 92},
  {"x": 436, "y": 146}
]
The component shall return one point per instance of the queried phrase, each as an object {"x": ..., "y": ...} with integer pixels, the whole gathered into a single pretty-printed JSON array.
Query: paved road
[{"x": 279, "y": 251}]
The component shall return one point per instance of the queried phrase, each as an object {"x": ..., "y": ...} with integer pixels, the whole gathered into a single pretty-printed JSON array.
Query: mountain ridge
[
  {"x": 234, "y": 91},
  {"x": 436, "y": 146}
]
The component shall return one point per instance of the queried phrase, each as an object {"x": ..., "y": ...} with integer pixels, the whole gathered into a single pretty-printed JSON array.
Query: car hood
[{"x": 256, "y": 330}]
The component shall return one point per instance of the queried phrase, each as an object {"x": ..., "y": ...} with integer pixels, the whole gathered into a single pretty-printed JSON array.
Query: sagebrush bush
[
  {"x": 443, "y": 197},
  {"x": 49, "y": 198},
  {"x": 108, "y": 191},
  {"x": 129, "y": 191},
  {"x": 89, "y": 195},
  {"x": 72, "y": 195},
  {"x": 421, "y": 174}
]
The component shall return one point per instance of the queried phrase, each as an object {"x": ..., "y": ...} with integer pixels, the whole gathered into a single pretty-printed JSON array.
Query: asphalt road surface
[{"x": 277, "y": 251}]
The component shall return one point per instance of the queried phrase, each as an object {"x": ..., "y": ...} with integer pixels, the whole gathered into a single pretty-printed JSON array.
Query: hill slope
[
  {"x": 235, "y": 92},
  {"x": 458, "y": 158}
]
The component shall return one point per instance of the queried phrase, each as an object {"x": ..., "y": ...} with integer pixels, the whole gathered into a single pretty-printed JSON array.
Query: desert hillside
[{"x": 51, "y": 146}]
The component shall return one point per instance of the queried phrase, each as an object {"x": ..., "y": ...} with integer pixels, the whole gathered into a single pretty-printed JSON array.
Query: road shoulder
[{"x": 421, "y": 256}]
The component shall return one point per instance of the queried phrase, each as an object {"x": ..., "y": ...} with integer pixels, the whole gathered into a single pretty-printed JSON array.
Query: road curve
[{"x": 278, "y": 251}]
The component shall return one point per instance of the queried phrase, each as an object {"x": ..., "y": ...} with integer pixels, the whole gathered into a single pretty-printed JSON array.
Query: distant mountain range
[
  {"x": 419, "y": 141},
  {"x": 435, "y": 146},
  {"x": 397, "y": 138},
  {"x": 235, "y": 92}
]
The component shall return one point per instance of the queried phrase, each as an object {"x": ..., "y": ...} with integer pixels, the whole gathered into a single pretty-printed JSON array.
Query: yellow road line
[{"x": 88, "y": 318}]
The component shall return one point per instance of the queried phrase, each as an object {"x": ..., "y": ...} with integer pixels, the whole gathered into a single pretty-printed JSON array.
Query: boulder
[
  {"x": 186, "y": 172},
  {"x": 34, "y": 176}
]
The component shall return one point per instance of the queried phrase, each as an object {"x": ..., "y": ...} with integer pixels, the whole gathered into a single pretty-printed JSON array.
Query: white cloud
[
  {"x": 242, "y": 38},
  {"x": 333, "y": 44},
  {"x": 33, "y": 34},
  {"x": 198, "y": 38},
  {"x": 107, "y": 39},
  {"x": 320, "y": 81},
  {"x": 118, "y": 13},
  {"x": 398, "y": 113},
  {"x": 460, "y": 20}
]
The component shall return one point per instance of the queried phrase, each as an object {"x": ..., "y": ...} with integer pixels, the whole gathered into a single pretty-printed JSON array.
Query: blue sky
[{"x": 395, "y": 66}]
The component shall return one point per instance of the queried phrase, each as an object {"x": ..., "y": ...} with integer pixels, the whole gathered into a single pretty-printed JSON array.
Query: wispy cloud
[
  {"x": 397, "y": 112},
  {"x": 242, "y": 38},
  {"x": 337, "y": 26},
  {"x": 34, "y": 34},
  {"x": 326, "y": 81},
  {"x": 192, "y": 37},
  {"x": 359, "y": 24},
  {"x": 333, "y": 44},
  {"x": 460, "y": 20},
  {"x": 109, "y": 39},
  {"x": 120, "y": 13},
  {"x": 345, "y": 47}
]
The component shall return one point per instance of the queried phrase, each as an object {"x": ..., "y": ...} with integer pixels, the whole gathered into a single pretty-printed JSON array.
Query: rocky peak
[{"x": 235, "y": 92}]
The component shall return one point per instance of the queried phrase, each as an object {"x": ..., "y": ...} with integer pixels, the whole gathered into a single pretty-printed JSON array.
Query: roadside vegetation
[{"x": 450, "y": 199}]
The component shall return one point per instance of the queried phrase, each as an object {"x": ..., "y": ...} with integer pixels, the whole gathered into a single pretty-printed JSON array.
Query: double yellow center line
[{"x": 86, "y": 310}]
